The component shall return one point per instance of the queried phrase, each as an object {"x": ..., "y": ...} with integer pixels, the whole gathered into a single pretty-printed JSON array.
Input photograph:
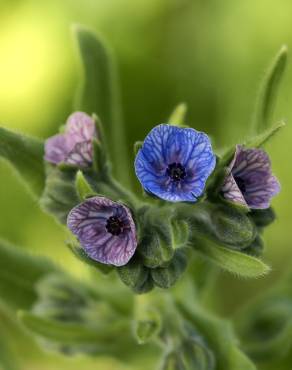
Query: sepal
[
  {"x": 135, "y": 275},
  {"x": 166, "y": 277}
]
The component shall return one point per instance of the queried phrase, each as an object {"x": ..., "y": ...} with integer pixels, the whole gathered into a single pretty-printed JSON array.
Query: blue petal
[{"x": 165, "y": 145}]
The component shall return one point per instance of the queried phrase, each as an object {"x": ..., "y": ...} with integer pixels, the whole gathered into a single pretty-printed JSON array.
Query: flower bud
[
  {"x": 165, "y": 277},
  {"x": 255, "y": 248},
  {"x": 262, "y": 217},
  {"x": 157, "y": 245},
  {"x": 232, "y": 226},
  {"x": 135, "y": 275}
]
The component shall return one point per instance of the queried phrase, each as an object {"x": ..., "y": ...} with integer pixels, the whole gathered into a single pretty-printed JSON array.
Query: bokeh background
[{"x": 210, "y": 54}]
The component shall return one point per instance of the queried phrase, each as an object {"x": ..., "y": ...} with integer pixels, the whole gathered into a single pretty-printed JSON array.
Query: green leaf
[
  {"x": 269, "y": 90},
  {"x": 220, "y": 338},
  {"x": 64, "y": 332},
  {"x": 26, "y": 156},
  {"x": 83, "y": 188},
  {"x": 232, "y": 261},
  {"x": 177, "y": 117},
  {"x": 261, "y": 139},
  {"x": 19, "y": 272},
  {"x": 99, "y": 94}
]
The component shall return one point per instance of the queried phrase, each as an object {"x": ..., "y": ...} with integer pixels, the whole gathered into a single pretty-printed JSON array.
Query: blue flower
[{"x": 174, "y": 163}]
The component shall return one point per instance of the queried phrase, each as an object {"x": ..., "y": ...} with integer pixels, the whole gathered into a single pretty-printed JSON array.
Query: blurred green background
[{"x": 210, "y": 54}]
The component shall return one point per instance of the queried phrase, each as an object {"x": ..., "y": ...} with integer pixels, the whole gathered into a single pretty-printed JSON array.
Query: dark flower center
[
  {"x": 176, "y": 171},
  {"x": 241, "y": 184},
  {"x": 114, "y": 225}
]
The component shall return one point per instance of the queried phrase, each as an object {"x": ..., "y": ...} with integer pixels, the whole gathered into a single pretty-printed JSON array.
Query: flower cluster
[{"x": 173, "y": 164}]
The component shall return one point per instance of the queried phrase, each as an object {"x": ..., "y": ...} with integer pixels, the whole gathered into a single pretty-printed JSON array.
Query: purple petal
[
  {"x": 251, "y": 163},
  {"x": 259, "y": 194},
  {"x": 88, "y": 222},
  {"x": 250, "y": 180},
  {"x": 81, "y": 154},
  {"x": 232, "y": 192},
  {"x": 57, "y": 148},
  {"x": 80, "y": 127}
]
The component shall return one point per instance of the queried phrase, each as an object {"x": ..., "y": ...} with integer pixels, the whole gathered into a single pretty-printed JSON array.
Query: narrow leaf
[
  {"x": 26, "y": 156},
  {"x": 19, "y": 273},
  {"x": 177, "y": 117},
  {"x": 68, "y": 333},
  {"x": 269, "y": 90},
  {"x": 261, "y": 139},
  {"x": 98, "y": 93},
  {"x": 232, "y": 261}
]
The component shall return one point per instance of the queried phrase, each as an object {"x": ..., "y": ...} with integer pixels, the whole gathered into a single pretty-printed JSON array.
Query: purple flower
[
  {"x": 75, "y": 145},
  {"x": 250, "y": 181},
  {"x": 174, "y": 163},
  {"x": 105, "y": 230}
]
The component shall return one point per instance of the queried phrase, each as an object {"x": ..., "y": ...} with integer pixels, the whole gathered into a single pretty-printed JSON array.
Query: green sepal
[
  {"x": 82, "y": 256},
  {"x": 255, "y": 248},
  {"x": 177, "y": 117},
  {"x": 180, "y": 232},
  {"x": 83, "y": 188},
  {"x": 269, "y": 90},
  {"x": 231, "y": 226},
  {"x": 223, "y": 224},
  {"x": 262, "y": 217},
  {"x": 235, "y": 262},
  {"x": 156, "y": 245},
  {"x": 60, "y": 194},
  {"x": 26, "y": 155},
  {"x": 135, "y": 275},
  {"x": 137, "y": 146},
  {"x": 165, "y": 277}
]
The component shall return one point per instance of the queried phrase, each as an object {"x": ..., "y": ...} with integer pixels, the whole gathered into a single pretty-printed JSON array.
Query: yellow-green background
[{"x": 209, "y": 53}]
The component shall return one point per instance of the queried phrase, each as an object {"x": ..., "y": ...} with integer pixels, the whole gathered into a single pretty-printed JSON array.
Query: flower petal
[
  {"x": 57, "y": 148},
  {"x": 232, "y": 192},
  {"x": 81, "y": 154},
  {"x": 258, "y": 196},
  {"x": 88, "y": 222},
  {"x": 80, "y": 127}
]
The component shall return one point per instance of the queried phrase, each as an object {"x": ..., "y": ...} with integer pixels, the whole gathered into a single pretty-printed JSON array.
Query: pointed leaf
[
  {"x": 232, "y": 261},
  {"x": 269, "y": 90},
  {"x": 261, "y": 139},
  {"x": 26, "y": 156},
  {"x": 99, "y": 94}
]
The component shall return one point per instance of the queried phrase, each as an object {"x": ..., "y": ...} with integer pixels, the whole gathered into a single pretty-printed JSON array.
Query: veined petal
[
  {"x": 80, "y": 127},
  {"x": 57, "y": 148},
  {"x": 174, "y": 163},
  {"x": 89, "y": 222}
]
